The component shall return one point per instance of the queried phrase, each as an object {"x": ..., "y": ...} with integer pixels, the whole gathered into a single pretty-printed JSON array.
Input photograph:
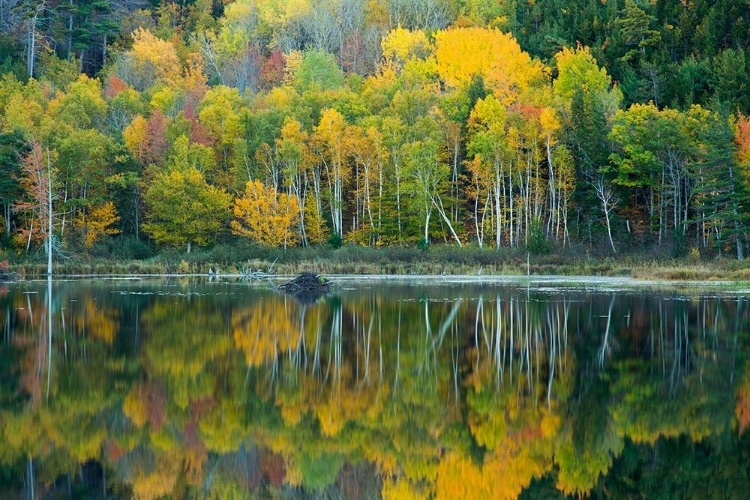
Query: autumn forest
[{"x": 132, "y": 126}]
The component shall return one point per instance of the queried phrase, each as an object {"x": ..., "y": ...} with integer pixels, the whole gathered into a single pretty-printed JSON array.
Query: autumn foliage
[
  {"x": 266, "y": 216},
  {"x": 382, "y": 123}
]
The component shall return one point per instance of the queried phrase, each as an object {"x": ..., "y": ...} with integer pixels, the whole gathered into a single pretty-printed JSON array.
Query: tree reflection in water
[{"x": 220, "y": 390}]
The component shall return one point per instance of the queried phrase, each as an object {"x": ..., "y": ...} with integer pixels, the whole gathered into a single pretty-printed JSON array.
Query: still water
[{"x": 225, "y": 389}]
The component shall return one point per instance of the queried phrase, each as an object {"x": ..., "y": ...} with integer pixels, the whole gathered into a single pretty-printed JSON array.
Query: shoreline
[
  {"x": 535, "y": 281},
  {"x": 439, "y": 262}
]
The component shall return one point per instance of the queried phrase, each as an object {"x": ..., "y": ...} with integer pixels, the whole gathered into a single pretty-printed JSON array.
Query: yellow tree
[
  {"x": 467, "y": 53},
  {"x": 400, "y": 45},
  {"x": 330, "y": 133},
  {"x": 294, "y": 157},
  {"x": 135, "y": 137},
  {"x": 98, "y": 223},
  {"x": 266, "y": 216},
  {"x": 316, "y": 228},
  {"x": 151, "y": 59},
  {"x": 366, "y": 147},
  {"x": 219, "y": 112},
  {"x": 491, "y": 167}
]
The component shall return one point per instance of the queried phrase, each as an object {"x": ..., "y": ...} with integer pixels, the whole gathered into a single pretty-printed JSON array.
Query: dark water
[{"x": 189, "y": 389}]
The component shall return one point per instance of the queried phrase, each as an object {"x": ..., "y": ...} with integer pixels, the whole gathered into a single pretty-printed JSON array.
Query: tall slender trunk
[
  {"x": 398, "y": 198},
  {"x": 498, "y": 214},
  {"x": 31, "y": 46},
  {"x": 104, "y": 50},
  {"x": 438, "y": 202},
  {"x": 49, "y": 332},
  {"x": 49, "y": 215},
  {"x": 607, "y": 200},
  {"x": 30, "y": 476},
  {"x": 6, "y": 210},
  {"x": 510, "y": 197},
  {"x": 70, "y": 31},
  {"x": 428, "y": 212}
]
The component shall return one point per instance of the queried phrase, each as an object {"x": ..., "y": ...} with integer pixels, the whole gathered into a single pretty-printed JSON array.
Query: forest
[{"x": 128, "y": 127}]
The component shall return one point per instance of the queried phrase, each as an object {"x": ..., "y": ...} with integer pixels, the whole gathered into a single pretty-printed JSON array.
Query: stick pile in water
[
  {"x": 5, "y": 273},
  {"x": 307, "y": 283}
]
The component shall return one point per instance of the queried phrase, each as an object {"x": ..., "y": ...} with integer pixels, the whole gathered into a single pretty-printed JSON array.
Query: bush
[
  {"x": 537, "y": 243},
  {"x": 335, "y": 241},
  {"x": 679, "y": 244},
  {"x": 132, "y": 248}
]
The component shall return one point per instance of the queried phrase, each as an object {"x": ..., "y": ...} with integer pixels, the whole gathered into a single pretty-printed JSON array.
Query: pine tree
[{"x": 723, "y": 197}]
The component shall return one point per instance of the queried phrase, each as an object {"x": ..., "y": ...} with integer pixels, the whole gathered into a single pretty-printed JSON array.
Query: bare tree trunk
[
  {"x": 441, "y": 210},
  {"x": 49, "y": 215},
  {"x": 428, "y": 213},
  {"x": 30, "y": 476},
  {"x": 6, "y": 209},
  {"x": 70, "y": 31},
  {"x": 49, "y": 332},
  {"x": 31, "y": 46},
  {"x": 608, "y": 200}
]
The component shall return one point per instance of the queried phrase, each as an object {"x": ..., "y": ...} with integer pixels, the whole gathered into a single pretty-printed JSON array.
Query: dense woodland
[{"x": 604, "y": 126}]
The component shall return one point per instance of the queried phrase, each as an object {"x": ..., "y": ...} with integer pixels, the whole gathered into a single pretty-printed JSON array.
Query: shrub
[
  {"x": 537, "y": 242},
  {"x": 335, "y": 241}
]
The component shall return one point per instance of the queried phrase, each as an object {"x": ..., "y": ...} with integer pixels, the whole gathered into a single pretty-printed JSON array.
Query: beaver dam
[{"x": 307, "y": 287}]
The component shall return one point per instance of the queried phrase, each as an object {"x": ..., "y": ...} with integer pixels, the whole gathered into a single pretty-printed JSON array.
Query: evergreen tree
[{"x": 723, "y": 198}]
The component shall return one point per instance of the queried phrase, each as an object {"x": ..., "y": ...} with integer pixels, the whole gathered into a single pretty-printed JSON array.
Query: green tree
[
  {"x": 723, "y": 196},
  {"x": 318, "y": 71},
  {"x": 184, "y": 209}
]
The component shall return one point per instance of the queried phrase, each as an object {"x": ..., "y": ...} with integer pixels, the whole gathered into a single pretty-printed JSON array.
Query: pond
[{"x": 443, "y": 388}]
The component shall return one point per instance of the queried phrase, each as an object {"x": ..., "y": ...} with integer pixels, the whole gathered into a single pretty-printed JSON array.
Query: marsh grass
[{"x": 352, "y": 259}]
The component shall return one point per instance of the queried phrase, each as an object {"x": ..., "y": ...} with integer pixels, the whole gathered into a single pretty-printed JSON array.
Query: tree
[
  {"x": 428, "y": 175},
  {"x": 183, "y": 209},
  {"x": 608, "y": 200},
  {"x": 655, "y": 149},
  {"x": 150, "y": 60},
  {"x": 492, "y": 166},
  {"x": 38, "y": 175},
  {"x": 635, "y": 27},
  {"x": 463, "y": 54},
  {"x": 10, "y": 189},
  {"x": 723, "y": 196},
  {"x": 266, "y": 216},
  {"x": 330, "y": 134},
  {"x": 318, "y": 71},
  {"x": 98, "y": 223}
]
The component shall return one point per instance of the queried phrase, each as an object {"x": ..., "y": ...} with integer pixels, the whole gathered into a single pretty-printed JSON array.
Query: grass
[{"x": 437, "y": 260}]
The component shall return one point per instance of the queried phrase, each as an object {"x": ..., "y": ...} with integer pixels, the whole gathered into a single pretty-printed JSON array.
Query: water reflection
[{"x": 223, "y": 390}]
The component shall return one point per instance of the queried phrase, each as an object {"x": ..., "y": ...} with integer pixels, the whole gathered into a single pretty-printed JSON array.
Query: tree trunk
[
  {"x": 49, "y": 215},
  {"x": 607, "y": 199},
  {"x": 104, "y": 50},
  {"x": 441, "y": 210},
  {"x": 30, "y": 477},
  {"x": 6, "y": 208},
  {"x": 428, "y": 212},
  {"x": 70, "y": 31},
  {"x": 31, "y": 46}
]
